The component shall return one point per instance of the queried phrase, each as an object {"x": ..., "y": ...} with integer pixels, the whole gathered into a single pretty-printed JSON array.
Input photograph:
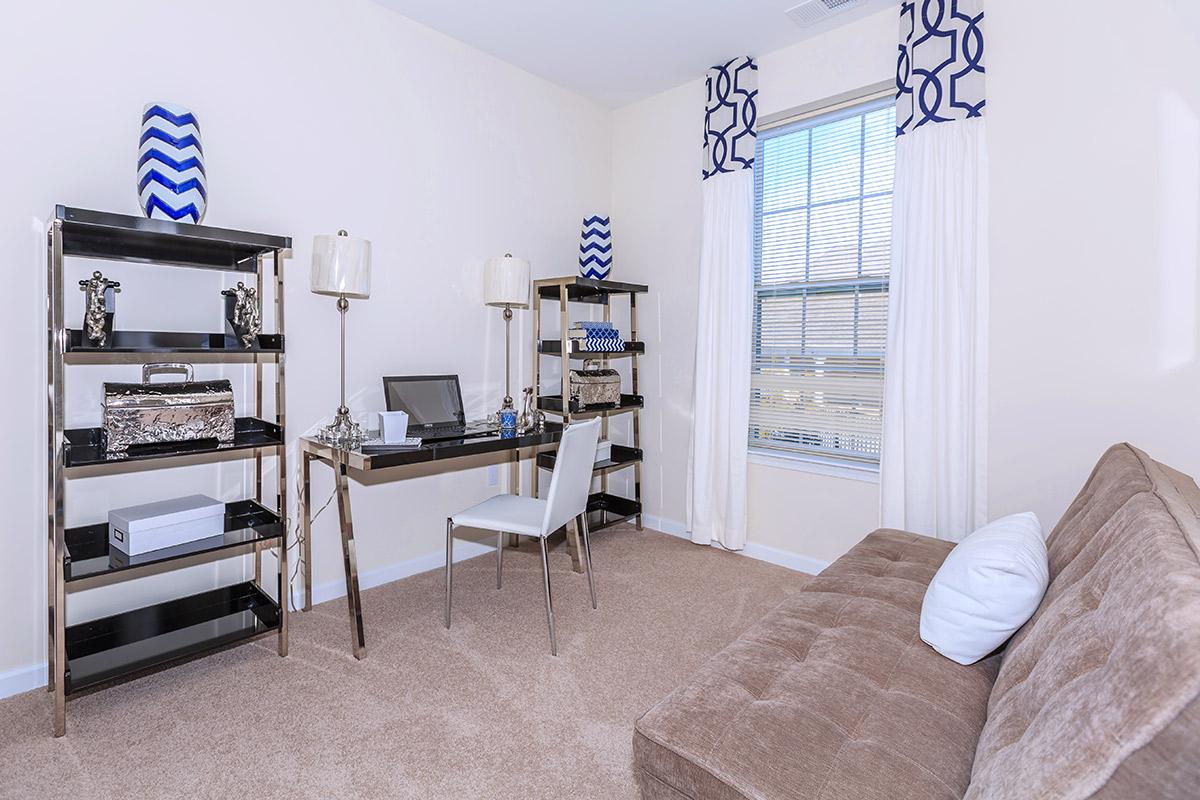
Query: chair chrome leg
[
  {"x": 549, "y": 603},
  {"x": 499, "y": 557},
  {"x": 449, "y": 566},
  {"x": 587, "y": 555}
]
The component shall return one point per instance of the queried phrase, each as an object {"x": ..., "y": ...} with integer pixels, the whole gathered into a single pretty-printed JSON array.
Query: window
[{"x": 822, "y": 254}]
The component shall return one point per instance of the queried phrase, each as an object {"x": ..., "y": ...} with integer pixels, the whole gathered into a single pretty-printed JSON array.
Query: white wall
[
  {"x": 315, "y": 116},
  {"x": 1094, "y": 125}
]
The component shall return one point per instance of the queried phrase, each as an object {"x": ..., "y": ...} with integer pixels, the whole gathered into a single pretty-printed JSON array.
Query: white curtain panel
[
  {"x": 934, "y": 451},
  {"x": 725, "y": 284},
  {"x": 721, "y": 414}
]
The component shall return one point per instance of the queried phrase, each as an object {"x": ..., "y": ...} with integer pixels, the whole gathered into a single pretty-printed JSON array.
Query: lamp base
[{"x": 343, "y": 431}]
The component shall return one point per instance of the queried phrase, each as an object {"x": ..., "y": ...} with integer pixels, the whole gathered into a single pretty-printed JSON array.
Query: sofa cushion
[
  {"x": 831, "y": 695},
  {"x": 1098, "y": 693}
]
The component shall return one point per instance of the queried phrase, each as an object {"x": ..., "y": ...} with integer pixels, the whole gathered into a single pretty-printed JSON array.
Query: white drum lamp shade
[
  {"x": 506, "y": 282},
  {"x": 341, "y": 266}
]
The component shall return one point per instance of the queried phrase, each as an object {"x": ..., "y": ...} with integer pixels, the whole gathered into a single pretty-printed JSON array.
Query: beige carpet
[{"x": 481, "y": 711}]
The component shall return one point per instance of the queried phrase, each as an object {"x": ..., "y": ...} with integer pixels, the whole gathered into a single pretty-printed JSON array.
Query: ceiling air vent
[{"x": 810, "y": 12}]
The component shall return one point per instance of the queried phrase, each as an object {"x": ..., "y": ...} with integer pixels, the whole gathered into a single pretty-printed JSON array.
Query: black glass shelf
[
  {"x": 610, "y": 509},
  {"x": 622, "y": 456},
  {"x": 132, "y": 642},
  {"x": 553, "y": 404},
  {"x": 85, "y": 446},
  {"x": 553, "y": 347},
  {"x": 88, "y": 553},
  {"x": 587, "y": 290},
  {"x": 121, "y": 237},
  {"x": 172, "y": 342}
]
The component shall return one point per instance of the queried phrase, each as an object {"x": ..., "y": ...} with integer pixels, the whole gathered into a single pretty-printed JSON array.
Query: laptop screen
[{"x": 428, "y": 399}]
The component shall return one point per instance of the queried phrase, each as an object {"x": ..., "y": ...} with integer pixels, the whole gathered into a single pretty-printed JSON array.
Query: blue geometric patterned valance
[
  {"x": 730, "y": 117},
  {"x": 939, "y": 72}
]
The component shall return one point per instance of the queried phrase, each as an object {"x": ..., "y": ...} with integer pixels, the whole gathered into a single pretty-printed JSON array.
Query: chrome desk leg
[
  {"x": 306, "y": 529},
  {"x": 499, "y": 557},
  {"x": 350, "y": 557},
  {"x": 549, "y": 603},
  {"x": 587, "y": 556},
  {"x": 514, "y": 487},
  {"x": 449, "y": 566}
]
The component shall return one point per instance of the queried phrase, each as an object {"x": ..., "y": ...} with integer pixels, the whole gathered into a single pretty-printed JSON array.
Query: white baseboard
[
  {"x": 668, "y": 526},
  {"x": 784, "y": 558},
  {"x": 759, "y": 552},
  {"x": 22, "y": 679},
  {"x": 331, "y": 590}
]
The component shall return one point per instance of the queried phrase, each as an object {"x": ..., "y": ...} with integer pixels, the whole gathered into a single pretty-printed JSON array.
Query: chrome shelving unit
[
  {"x": 604, "y": 509},
  {"x": 90, "y": 655}
]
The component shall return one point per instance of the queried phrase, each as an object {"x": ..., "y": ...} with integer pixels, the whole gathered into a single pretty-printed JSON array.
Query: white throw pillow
[{"x": 987, "y": 588}]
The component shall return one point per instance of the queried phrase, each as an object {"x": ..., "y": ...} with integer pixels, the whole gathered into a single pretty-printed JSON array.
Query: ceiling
[{"x": 620, "y": 51}]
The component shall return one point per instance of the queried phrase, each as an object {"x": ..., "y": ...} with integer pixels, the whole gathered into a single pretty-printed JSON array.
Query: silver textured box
[
  {"x": 175, "y": 411},
  {"x": 165, "y": 523},
  {"x": 594, "y": 387}
]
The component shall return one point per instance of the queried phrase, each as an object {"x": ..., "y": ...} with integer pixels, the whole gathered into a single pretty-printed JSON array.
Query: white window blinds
[{"x": 822, "y": 252}]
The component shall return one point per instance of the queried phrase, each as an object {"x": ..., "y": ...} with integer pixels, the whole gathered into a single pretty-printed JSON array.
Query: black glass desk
[{"x": 343, "y": 460}]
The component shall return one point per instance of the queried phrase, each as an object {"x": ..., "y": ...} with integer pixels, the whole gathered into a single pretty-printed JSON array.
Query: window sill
[{"x": 866, "y": 474}]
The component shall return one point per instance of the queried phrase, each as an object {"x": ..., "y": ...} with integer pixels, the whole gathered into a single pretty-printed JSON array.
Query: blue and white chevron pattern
[
  {"x": 172, "y": 184},
  {"x": 730, "y": 117},
  {"x": 603, "y": 344},
  {"x": 595, "y": 248},
  {"x": 597, "y": 337},
  {"x": 939, "y": 69}
]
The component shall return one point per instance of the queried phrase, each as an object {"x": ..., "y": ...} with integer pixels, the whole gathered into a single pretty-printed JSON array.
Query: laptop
[{"x": 434, "y": 406}]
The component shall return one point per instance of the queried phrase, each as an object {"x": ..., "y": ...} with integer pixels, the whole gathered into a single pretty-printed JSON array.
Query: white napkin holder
[{"x": 393, "y": 426}]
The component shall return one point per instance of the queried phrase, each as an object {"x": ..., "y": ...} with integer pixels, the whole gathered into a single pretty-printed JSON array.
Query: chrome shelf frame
[
  {"x": 116, "y": 237},
  {"x": 562, "y": 292}
]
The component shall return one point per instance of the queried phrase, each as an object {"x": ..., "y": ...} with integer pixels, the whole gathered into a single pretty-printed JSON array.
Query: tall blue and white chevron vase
[
  {"x": 172, "y": 184},
  {"x": 595, "y": 248}
]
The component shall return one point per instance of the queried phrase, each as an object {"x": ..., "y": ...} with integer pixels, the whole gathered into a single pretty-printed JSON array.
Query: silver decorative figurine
[
  {"x": 99, "y": 305},
  {"x": 244, "y": 318},
  {"x": 532, "y": 420}
]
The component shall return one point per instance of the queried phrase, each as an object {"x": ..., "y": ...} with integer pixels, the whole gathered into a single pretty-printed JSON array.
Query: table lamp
[
  {"x": 341, "y": 268},
  {"x": 506, "y": 284}
]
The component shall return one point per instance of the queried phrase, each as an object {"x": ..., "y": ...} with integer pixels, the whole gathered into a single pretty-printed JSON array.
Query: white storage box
[
  {"x": 166, "y": 523},
  {"x": 603, "y": 450}
]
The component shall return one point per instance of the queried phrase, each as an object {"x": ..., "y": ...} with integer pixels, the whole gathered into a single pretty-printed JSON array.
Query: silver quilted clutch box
[
  {"x": 594, "y": 387},
  {"x": 159, "y": 413}
]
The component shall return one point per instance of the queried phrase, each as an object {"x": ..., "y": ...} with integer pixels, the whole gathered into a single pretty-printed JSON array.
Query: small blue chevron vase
[
  {"x": 595, "y": 248},
  {"x": 171, "y": 181}
]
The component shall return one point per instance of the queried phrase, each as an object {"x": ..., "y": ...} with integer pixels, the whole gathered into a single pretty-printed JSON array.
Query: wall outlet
[{"x": 493, "y": 475}]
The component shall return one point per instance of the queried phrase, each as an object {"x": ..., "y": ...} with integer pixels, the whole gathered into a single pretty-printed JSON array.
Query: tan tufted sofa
[{"x": 833, "y": 695}]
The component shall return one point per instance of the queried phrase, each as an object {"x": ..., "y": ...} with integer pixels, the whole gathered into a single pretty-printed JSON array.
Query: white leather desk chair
[{"x": 532, "y": 516}]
